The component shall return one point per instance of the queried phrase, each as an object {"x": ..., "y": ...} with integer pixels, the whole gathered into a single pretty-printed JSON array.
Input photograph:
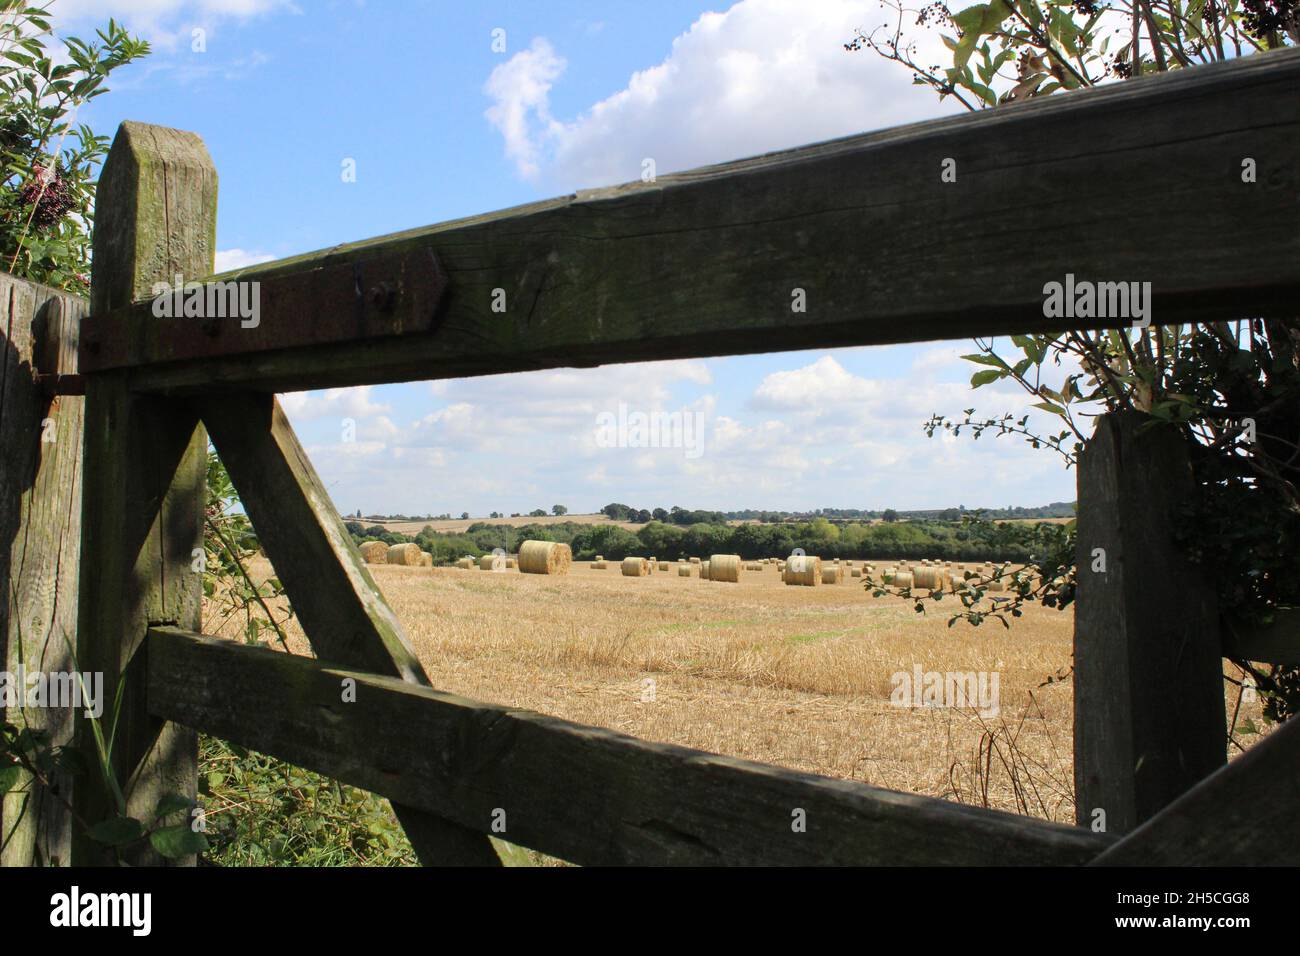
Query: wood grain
[
  {"x": 338, "y": 604},
  {"x": 584, "y": 794},
  {"x": 40, "y": 544},
  {"x": 1243, "y": 815},
  {"x": 1275, "y": 643},
  {"x": 1148, "y": 669},
  {"x": 705, "y": 262},
  {"x": 145, "y": 478}
]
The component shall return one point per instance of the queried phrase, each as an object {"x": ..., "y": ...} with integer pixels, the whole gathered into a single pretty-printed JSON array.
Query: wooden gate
[{"x": 694, "y": 264}]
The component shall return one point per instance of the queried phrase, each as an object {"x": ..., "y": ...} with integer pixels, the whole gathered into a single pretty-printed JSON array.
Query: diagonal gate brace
[{"x": 341, "y": 610}]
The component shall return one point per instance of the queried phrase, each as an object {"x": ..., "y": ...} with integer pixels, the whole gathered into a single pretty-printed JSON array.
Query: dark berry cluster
[
  {"x": 48, "y": 192},
  {"x": 1263, "y": 17},
  {"x": 1119, "y": 68},
  {"x": 1086, "y": 8},
  {"x": 936, "y": 13}
]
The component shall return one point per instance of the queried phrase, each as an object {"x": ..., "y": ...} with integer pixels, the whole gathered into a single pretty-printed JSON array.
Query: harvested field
[{"x": 799, "y": 677}]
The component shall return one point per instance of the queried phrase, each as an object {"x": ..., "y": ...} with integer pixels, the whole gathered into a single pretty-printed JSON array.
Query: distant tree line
[
  {"x": 971, "y": 538},
  {"x": 682, "y": 516}
]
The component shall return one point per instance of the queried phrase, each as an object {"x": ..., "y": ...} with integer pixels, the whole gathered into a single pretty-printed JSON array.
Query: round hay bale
[
  {"x": 695, "y": 560},
  {"x": 704, "y": 570},
  {"x": 663, "y": 565},
  {"x": 405, "y": 554},
  {"x": 635, "y": 567},
  {"x": 511, "y": 562},
  {"x": 544, "y": 557},
  {"x": 803, "y": 570},
  {"x": 426, "y": 559},
  {"x": 599, "y": 565},
  {"x": 832, "y": 573},
  {"x": 465, "y": 563},
  {"x": 780, "y": 567},
  {"x": 486, "y": 562},
  {"x": 725, "y": 568},
  {"x": 600, "y": 557},
  {"x": 373, "y": 552},
  {"x": 903, "y": 579},
  {"x": 930, "y": 578},
  {"x": 683, "y": 570},
  {"x": 856, "y": 572}
]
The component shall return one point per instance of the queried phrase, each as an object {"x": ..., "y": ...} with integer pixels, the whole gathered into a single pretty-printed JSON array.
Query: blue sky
[{"x": 440, "y": 125}]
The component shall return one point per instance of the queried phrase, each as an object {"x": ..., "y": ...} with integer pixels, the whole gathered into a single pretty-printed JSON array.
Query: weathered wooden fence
[
  {"x": 700, "y": 263},
  {"x": 40, "y": 537}
]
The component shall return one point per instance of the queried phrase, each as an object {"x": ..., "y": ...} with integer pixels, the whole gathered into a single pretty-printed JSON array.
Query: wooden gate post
[
  {"x": 145, "y": 475},
  {"x": 1148, "y": 668},
  {"x": 40, "y": 539}
]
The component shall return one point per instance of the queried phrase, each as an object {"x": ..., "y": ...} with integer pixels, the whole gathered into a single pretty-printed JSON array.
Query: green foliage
[
  {"x": 1052, "y": 557},
  {"x": 27, "y": 758},
  {"x": 263, "y": 812},
  {"x": 50, "y": 162},
  {"x": 1009, "y": 50}
]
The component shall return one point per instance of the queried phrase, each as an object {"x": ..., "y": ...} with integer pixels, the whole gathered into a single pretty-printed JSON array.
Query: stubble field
[{"x": 795, "y": 676}]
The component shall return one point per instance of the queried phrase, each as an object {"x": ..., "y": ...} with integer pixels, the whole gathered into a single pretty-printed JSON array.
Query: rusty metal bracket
[
  {"x": 251, "y": 312},
  {"x": 56, "y": 384}
]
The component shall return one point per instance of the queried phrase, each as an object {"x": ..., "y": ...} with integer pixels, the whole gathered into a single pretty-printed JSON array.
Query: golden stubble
[{"x": 799, "y": 677}]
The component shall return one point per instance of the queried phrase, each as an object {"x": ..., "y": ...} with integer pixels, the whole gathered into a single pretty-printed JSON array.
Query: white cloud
[
  {"x": 814, "y": 387},
  {"x": 520, "y": 88},
  {"x": 563, "y": 396},
  {"x": 165, "y": 23},
  {"x": 228, "y": 260},
  {"x": 764, "y": 75},
  {"x": 340, "y": 403}
]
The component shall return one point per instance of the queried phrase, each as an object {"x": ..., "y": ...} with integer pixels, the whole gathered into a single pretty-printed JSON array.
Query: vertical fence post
[
  {"x": 145, "y": 471},
  {"x": 1148, "y": 668},
  {"x": 40, "y": 539}
]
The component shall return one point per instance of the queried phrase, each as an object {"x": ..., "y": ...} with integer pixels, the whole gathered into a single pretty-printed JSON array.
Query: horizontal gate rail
[
  {"x": 585, "y": 794},
  {"x": 1274, "y": 643},
  {"x": 862, "y": 232}
]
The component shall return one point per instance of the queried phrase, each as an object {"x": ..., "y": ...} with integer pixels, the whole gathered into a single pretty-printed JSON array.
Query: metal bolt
[{"x": 383, "y": 297}]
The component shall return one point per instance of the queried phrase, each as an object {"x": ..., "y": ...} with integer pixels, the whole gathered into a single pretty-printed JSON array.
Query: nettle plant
[
  {"x": 1231, "y": 388},
  {"x": 49, "y": 162}
]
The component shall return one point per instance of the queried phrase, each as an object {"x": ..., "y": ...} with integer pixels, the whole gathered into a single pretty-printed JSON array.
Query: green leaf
[
  {"x": 985, "y": 377},
  {"x": 173, "y": 803},
  {"x": 985, "y": 93},
  {"x": 177, "y": 841},
  {"x": 983, "y": 359},
  {"x": 117, "y": 831}
]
